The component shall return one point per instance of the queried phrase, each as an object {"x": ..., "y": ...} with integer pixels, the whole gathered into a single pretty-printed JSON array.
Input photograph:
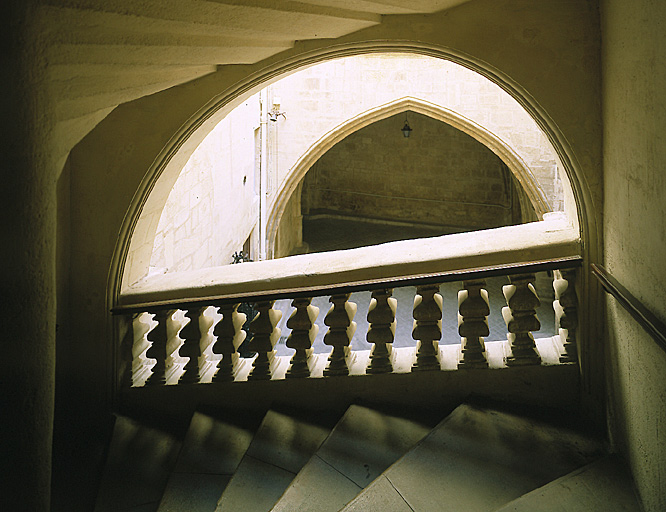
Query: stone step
[
  {"x": 278, "y": 451},
  {"x": 362, "y": 445},
  {"x": 376, "y": 6},
  {"x": 85, "y": 23},
  {"x": 604, "y": 486},
  {"x": 165, "y": 55},
  {"x": 210, "y": 455},
  {"x": 89, "y": 85},
  {"x": 299, "y": 21},
  {"x": 137, "y": 468},
  {"x": 477, "y": 460},
  {"x": 80, "y": 106},
  {"x": 70, "y": 132}
]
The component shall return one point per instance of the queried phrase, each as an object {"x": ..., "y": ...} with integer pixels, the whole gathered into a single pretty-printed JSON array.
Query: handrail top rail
[
  {"x": 646, "y": 318},
  {"x": 542, "y": 245},
  {"x": 398, "y": 281}
]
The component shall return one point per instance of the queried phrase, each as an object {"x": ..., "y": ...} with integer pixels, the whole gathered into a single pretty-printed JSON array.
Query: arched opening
[
  {"x": 461, "y": 143},
  {"x": 146, "y": 223},
  {"x": 541, "y": 246}
]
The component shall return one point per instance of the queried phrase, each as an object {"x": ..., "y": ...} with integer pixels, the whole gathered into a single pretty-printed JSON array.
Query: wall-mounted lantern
[
  {"x": 275, "y": 111},
  {"x": 406, "y": 130}
]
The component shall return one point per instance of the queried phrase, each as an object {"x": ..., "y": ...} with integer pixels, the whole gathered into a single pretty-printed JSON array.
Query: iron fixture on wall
[{"x": 406, "y": 130}]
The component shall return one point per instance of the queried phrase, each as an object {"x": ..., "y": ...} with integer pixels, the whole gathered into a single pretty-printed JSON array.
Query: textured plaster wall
[
  {"x": 438, "y": 176},
  {"x": 634, "y": 109}
]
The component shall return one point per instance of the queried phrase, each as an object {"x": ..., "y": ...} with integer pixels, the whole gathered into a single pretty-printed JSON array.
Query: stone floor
[{"x": 331, "y": 234}]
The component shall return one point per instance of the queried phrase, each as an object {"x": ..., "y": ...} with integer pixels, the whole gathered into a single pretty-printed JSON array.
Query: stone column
[
  {"x": 191, "y": 347},
  {"x": 229, "y": 336},
  {"x": 158, "y": 337},
  {"x": 28, "y": 255},
  {"x": 265, "y": 335}
]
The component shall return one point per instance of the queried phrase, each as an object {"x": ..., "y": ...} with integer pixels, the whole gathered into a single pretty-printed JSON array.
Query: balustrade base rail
[{"x": 547, "y": 387}]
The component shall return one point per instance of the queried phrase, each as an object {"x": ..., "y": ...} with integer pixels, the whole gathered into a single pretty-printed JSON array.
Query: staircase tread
[
  {"x": 477, "y": 460},
  {"x": 192, "y": 491},
  {"x": 362, "y": 445},
  {"x": 321, "y": 487},
  {"x": 603, "y": 485},
  {"x": 211, "y": 453},
  {"x": 137, "y": 467},
  {"x": 212, "y": 446},
  {"x": 386, "y": 499},
  {"x": 264, "y": 482},
  {"x": 280, "y": 448},
  {"x": 301, "y": 24},
  {"x": 286, "y": 442},
  {"x": 176, "y": 56}
]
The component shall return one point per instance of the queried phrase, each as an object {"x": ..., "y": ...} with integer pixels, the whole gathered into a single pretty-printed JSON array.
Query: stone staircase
[
  {"x": 98, "y": 55},
  {"x": 474, "y": 459}
]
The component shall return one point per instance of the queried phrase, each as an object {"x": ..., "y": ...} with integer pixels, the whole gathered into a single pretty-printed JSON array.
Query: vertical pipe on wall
[{"x": 263, "y": 173}]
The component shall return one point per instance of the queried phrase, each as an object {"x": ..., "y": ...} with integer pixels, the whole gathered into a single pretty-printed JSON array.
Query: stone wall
[
  {"x": 290, "y": 235},
  {"x": 318, "y": 99},
  {"x": 634, "y": 108},
  {"x": 439, "y": 176},
  {"x": 213, "y": 206}
]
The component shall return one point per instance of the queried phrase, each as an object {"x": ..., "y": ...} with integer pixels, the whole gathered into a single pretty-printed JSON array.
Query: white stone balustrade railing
[{"x": 159, "y": 349}]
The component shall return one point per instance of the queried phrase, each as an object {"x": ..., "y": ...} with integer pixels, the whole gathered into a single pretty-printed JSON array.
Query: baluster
[
  {"x": 126, "y": 350},
  {"x": 566, "y": 307},
  {"x": 229, "y": 336},
  {"x": 381, "y": 316},
  {"x": 191, "y": 347},
  {"x": 473, "y": 311},
  {"x": 427, "y": 327},
  {"x": 339, "y": 319},
  {"x": 265, "y": 335},
  {"x": 158, "y": 348},
  {"x": 521, "y": 319},
  {"x": 303, "y": 333}
]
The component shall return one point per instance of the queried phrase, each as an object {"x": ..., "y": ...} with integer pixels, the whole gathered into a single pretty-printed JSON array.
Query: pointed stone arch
[{"x": 518, "y": 167}]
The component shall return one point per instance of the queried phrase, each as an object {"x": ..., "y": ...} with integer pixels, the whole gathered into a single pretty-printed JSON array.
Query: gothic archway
[{"x": 518, "y": 167}]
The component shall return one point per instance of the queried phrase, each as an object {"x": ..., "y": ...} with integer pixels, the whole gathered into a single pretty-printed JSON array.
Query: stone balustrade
[{"x": 196, "y": 341}]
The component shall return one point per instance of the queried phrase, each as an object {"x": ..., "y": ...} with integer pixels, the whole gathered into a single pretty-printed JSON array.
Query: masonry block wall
[
  {"x": 290, "y": 233},
  {"x": 439, "y": 176},
  {"x": 213, "y": 206},
  {"x": 320, "y": 98}
]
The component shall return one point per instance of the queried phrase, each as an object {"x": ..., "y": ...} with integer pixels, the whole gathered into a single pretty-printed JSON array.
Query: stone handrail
[
  {"x": 646, "y": 318},
  {"x": 397, "y": 262}
]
